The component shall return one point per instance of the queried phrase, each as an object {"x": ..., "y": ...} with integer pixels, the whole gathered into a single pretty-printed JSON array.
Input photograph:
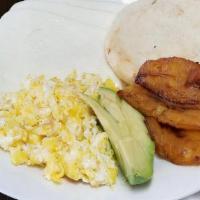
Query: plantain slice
[
  {"x": 148, "y": 105},
  {"x": 177, "y": 146},
  {"x": 176, "y": 81}
]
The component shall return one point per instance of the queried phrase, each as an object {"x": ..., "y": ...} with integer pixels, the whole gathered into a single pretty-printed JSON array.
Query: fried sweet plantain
[
  {"x": 178, "y": 146},
  {"x": 148, "y": 105},
  {"x": 176, "y": 81}
]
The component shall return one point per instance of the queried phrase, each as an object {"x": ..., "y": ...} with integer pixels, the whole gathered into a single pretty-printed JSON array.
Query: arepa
[{"x": 151, "y": 29}]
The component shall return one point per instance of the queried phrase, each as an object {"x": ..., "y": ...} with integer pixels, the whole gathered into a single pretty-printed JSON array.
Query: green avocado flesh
[{"x": 127, "y": 133}]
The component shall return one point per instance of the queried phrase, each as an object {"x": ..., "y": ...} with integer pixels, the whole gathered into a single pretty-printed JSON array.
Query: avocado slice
[{"x": 128, "y": 135}]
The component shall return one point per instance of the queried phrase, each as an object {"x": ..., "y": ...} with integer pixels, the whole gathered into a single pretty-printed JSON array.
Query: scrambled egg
[{"x": 47, "y": 124}]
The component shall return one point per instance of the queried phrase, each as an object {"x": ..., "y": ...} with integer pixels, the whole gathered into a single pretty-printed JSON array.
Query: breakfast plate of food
[{"x": 100, "y": 100}]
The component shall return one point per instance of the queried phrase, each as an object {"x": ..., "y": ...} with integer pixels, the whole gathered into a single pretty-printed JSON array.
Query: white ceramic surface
[{"x": 53, "y": 37}]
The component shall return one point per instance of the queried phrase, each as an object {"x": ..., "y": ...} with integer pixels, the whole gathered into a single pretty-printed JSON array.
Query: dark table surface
[{"x": 4, "y": 7}]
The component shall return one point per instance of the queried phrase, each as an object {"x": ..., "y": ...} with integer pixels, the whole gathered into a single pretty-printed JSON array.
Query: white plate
[{"x": 54, "y": 37}]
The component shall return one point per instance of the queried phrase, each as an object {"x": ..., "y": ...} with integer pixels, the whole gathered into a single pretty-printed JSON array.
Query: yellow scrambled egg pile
[{"x": 47, "y": 124}]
